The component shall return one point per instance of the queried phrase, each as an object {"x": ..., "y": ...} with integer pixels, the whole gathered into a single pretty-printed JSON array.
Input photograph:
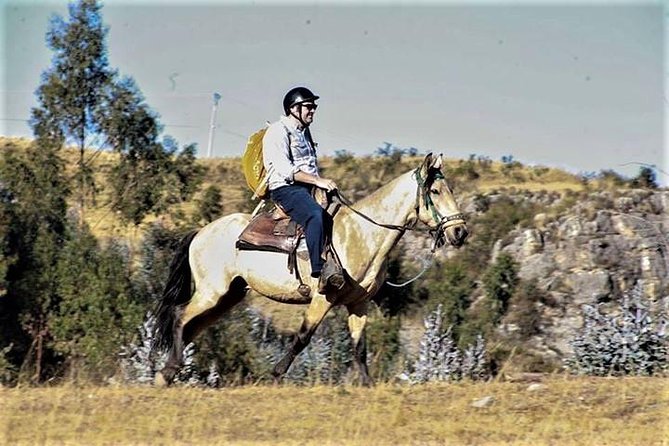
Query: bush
[
  {"x": 646, "y": 179},
  {"x": 242, "y": 347},
  {"x": 525, "y": 312},
  {"x": 209, "y": 207},
  {"x": 450, "y": 287},
  {"x": 630, "y": 342},
  {"x": 383, "y": 344},
  {"x": 439, "y": 359}
]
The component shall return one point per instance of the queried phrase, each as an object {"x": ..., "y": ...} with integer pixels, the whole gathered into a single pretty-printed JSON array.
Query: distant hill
[{"x": 357, "y": 176}]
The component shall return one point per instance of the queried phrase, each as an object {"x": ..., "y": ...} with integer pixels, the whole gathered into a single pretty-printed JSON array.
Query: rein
[
  {"x": 346, "y": 202},
  {"x": 429, "y": 204},
  {"x": 436, "y": 234}
]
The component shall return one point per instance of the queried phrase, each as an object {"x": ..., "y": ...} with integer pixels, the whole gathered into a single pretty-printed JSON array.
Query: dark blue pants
[{"x": 297, "y": 202}]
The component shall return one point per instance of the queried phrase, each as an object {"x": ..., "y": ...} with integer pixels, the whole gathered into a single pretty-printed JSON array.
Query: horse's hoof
[{"x": 159, "y": 380}]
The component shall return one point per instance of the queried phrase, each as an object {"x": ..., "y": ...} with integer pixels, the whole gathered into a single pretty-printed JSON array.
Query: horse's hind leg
[
  {"x": 194, "y": 318},
  {"x": 317, "y": 310},
  {"x": 195, "y": 325},
  {"x": 175, "y": 356}
]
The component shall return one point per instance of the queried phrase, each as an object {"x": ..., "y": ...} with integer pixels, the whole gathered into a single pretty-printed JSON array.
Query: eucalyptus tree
[
  {"x": 85, "y": 102},
  {"x": 69, "y": 96}
]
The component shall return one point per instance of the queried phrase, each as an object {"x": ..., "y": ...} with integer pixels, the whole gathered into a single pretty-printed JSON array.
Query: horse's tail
[{"x": 177, "y": 293}]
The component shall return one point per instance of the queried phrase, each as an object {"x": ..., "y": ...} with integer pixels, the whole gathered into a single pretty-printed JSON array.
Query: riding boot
[{"x": 332, "y": 276}]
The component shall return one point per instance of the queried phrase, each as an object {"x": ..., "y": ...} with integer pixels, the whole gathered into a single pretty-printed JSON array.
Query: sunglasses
[{"x": 310, "y": 107}]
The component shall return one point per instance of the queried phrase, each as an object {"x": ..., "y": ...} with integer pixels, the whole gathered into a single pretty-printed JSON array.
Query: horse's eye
[{"x": 434, "y": 191}]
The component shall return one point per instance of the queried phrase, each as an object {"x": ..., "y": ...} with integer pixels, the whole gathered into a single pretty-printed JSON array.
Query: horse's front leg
[
  {"x": 357, "y": 318},
  {"x": 317, "y": 310}
]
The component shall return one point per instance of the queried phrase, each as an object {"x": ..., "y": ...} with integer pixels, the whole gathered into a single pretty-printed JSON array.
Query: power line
[{"x": 652, "y": 166}]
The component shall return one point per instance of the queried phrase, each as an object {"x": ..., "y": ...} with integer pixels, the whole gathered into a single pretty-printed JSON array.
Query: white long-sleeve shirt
[{"x": 281, "y": 137}]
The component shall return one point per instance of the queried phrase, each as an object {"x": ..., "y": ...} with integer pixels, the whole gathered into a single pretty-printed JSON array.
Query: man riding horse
[
  {"x": 210, "y": 274},
  {"x": 289, "y": 155}
]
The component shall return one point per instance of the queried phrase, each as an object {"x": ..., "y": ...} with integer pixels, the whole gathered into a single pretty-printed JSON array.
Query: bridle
[
  {"x": 422, "y": 191},
  {"x": 443, "y": 221}
]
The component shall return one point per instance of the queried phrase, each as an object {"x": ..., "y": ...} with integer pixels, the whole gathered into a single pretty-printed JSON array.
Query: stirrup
[{"x": 304, "y": 290}]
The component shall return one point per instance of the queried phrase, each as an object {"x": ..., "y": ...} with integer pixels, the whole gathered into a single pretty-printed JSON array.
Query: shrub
[
  {"x": 525, "y": 312},
  {"x": 646, "y": 178},
  {"x": 630, "y": 342},
  {"x": 383, "y": 344},
  {"x": 439, "y": 359},
  {"x": 450, "y": 287},
  {"x": 243, "y": 347},
  {"x": 343, "y": 157}
]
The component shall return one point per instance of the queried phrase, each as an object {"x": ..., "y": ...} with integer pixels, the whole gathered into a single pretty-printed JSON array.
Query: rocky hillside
[
  {"x": 595, "y": 252},
  {"x": 578, "y": 248}
]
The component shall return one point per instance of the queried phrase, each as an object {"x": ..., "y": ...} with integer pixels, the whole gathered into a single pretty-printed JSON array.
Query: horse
[{"x": 209, "y": 275}]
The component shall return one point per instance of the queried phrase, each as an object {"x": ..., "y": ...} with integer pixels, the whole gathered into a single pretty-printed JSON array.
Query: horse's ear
[
  {"x": 425, "y": 167},
  {"x": 438, "y": 162}
]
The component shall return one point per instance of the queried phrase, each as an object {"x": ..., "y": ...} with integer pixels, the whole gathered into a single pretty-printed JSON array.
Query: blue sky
[{"x": 572, "y": 85}]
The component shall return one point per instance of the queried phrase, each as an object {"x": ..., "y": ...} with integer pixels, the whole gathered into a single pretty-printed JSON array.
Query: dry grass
[{"x": 563, "y": 412}]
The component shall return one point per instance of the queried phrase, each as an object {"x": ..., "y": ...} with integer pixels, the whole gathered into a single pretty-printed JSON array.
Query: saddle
[
  {"x": 271, "y": 231},
  {"x": 274, "y": 231}
]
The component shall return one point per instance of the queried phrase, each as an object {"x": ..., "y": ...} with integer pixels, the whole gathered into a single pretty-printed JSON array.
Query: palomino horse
[{"x": 209, "y": 275}]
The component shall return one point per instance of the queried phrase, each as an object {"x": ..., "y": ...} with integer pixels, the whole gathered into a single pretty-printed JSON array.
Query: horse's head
[{"x": 436, "y": 206}]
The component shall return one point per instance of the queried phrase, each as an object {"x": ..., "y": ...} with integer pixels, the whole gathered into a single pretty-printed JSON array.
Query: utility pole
[{"x": 212, "y": 124}]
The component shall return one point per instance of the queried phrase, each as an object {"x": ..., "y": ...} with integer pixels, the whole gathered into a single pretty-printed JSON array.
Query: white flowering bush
[
  {"x": 439, "y": 358},
  {"x": 631, "y": 341},
  {"x": 139, "y": 363}
]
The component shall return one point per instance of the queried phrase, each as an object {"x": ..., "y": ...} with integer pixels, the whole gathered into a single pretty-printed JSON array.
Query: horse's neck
[{"x": 366, "y": 242}]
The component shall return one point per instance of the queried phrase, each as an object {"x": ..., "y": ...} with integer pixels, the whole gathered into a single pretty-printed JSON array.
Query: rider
[{"x": 289, "y": 155}]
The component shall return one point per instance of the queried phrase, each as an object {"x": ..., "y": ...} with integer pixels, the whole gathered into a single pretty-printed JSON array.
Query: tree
[
  {"x": 209, "y": 207},
  {"x": 81, "y": 100},
  {"x": 499, "y": 282},
  {"x": 69, "y": 99},
  {"x": 98, "y": 310},
  {"x": 5, "y": 220},
  {"x": 450, "y": 289},
  {"x": 646, "y": 178},
  {"x": 35, "y": 230},
  {"x": 151, "y": 175}
]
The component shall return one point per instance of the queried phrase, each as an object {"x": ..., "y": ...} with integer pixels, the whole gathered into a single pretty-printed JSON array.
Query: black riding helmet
[{"x": 295, "y": 96}]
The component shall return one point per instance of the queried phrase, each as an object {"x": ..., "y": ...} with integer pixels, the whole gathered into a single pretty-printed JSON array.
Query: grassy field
[{"x": 559, "y": 411}]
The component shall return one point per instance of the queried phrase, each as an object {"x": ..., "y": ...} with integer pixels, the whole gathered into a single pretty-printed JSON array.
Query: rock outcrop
[{"x": 591, "y": 255}]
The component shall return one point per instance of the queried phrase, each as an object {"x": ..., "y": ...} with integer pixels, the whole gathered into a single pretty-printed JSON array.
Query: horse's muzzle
[
  {"x": 457, "y": 235},
  {"x": 454, "y": 231}
]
